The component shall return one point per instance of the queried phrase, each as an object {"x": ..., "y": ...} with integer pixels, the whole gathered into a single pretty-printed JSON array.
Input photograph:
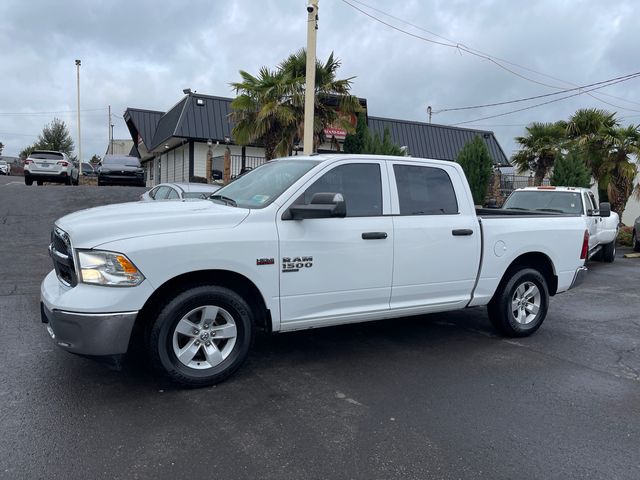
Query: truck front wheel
[
  {"x": 520, "y": 305},
  {"x": 201, "y": 336}
]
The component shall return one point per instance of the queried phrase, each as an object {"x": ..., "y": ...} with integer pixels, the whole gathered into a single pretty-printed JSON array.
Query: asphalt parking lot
[{"x": 437, "y": 396}]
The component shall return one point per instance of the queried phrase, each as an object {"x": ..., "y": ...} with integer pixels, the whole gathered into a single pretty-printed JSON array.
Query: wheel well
[
  {"x": 239, "y": 283},
  {"x": 538, "y": 261}
]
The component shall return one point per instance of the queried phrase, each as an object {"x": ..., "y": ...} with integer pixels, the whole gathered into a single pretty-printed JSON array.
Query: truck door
[
  {"x": 437, "y": 237},
  {"x": 592, "y": 222},
  {"x": 338, "y": 269}
]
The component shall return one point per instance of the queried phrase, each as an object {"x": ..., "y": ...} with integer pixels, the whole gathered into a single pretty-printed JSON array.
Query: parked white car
[
  {"x": 5, "y": 168},
  {"x": 49, "y": 166},
  {"x": 298, "y": 243},
  {"x": 600, "y": 221},
  {"x": 179, "y": 191}
]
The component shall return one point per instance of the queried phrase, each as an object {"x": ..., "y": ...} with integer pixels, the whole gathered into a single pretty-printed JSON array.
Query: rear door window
[
  {"x": 161, "y": 193},
  {"x": 172, "y": 194},
  {"x": 424, "y": 190}
]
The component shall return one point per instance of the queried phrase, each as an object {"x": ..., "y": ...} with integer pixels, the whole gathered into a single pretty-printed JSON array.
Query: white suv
[{"x": 49, "y": 166}]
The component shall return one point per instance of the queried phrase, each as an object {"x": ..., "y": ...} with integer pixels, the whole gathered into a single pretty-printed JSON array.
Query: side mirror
[
  {"x": 605, "y": 209},
  {"x": 323, "y": 205},
  {"x": 492, "y": 203}
]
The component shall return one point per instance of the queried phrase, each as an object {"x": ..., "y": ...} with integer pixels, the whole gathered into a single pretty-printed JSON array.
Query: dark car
[{"x": 120, "y": 170}]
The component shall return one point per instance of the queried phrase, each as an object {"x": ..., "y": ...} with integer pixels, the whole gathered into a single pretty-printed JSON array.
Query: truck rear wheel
[
  {"x": 520, "y": 305},
  {"x": 201, "y": 336},
  {"x": 609, "y": 252}
]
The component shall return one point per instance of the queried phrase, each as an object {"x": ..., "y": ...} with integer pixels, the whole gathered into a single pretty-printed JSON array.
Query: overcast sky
[{"x": 142, "y": 54}]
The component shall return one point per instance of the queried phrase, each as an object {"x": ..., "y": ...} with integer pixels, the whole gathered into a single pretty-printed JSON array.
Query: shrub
[{"x": 624, "y": 236}]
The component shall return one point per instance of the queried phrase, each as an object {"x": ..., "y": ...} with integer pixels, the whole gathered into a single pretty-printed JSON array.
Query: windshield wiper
[
  {"x": 554, "y": 210},
  {"x": 223, "y": 199},
  {"x": 515, "y": 208}
]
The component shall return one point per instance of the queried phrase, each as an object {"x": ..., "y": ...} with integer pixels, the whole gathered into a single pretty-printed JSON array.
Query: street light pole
[
  {"x": 79, "y": 138},
  {"x": 310, "y": 86}
]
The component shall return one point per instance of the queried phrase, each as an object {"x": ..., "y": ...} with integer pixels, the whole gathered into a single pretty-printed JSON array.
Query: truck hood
[{"x": 95, "y": 226}]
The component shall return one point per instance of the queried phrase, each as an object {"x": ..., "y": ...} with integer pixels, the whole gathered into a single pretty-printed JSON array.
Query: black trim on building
[{"x": 191, "y": 158}]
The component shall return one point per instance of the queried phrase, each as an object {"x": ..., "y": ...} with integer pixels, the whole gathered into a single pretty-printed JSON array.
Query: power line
[
  {"x": 581, "y": 87},
  {"x": 540, "y": 104},
  {"x": 459, "y": 47},
  {"x": 473, "y": 51},
  {"x": 49, "y": 113}
]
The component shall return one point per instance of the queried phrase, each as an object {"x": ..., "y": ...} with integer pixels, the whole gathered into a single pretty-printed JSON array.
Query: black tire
[
  {"x": 160, "y": 336},
  {"x": 500, "y": 307},
  {"x": 635, "y": 242},
  {"x": 28, "y": 181},
  {"x": 609, "y": 252}
]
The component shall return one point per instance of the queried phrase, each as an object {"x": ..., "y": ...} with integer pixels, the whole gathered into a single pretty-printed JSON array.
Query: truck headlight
[{"x": 108, "y": 268}]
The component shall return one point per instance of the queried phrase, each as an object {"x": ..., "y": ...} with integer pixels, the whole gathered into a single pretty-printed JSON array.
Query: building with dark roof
[{"x": 174, "y": 145}]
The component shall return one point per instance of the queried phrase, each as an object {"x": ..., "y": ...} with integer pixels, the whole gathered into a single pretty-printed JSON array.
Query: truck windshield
[
  {"x": 545, "y": 201},
  {"x": 261, "y": 186}
]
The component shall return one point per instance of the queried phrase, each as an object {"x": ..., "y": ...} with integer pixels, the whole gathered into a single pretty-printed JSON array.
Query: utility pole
[
  {"x": 429, "y": 112},
  {"x": 110, "y": 148},
  {"x": 79, "y": 138},
  {"x": 310, "y": 87}
]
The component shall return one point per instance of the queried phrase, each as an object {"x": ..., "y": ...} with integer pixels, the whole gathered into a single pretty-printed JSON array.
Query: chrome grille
[{"x": 62, "y": 256}]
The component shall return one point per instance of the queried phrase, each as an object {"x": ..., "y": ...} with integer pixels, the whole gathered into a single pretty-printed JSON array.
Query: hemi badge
[{"x": 265, "y": 261}]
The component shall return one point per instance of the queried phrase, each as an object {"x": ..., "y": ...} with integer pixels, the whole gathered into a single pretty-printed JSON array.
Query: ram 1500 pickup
[{"x": 299, "y": 243}]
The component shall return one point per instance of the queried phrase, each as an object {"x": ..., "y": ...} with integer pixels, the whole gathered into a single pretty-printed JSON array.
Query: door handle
[
  {"x": 374, "y": 235},
  {"x": 461, "y": 231}
]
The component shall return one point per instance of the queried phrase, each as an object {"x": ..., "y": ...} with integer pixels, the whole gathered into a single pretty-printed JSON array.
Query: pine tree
[
  {"x": 475, "y": 160},
  {"x": 570, "y": 170},
  {"x": 55, "y": 136},
  {"x": 354, "y": 143}
]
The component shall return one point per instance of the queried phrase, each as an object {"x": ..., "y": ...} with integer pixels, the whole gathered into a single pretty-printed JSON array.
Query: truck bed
[{"x": 501, "y": 213}]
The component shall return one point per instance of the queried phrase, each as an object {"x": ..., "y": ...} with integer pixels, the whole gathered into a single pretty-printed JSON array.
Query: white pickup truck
[
  {"x": 299, "y": 243},
  {"x": 601, "y": 222}
]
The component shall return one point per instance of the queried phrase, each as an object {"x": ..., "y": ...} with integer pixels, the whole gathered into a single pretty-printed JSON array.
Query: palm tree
[
  {"x": 269, "y": 107},
  {"x": 539, "y": 148},
  {"x": 262, "y": 112},
  {"x": 329, "y": 94},
  {"x": 585, "y": 130},
  {"x": 618, "y": 171}
]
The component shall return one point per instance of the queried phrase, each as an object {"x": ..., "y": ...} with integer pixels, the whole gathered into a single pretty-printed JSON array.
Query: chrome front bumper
[
  {"x": 579, "y": 277},
  {"x": 89, "y": 333}
]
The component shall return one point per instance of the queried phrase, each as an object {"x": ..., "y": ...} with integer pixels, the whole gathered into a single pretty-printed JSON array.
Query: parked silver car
[
  {"x": 179, "y": 191},
  {"x": 49, "y": 166},
  {"x": 5, "y": 168}
]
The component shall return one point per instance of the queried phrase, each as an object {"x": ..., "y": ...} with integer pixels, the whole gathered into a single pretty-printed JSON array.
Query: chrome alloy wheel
[
  {"x": 204, "y": 337},
  {"x": 525, "y": 303}
]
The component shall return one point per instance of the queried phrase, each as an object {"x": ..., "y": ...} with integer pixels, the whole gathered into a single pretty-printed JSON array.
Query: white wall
[
  {"x": 631, "y": 210},
  {"x": 174, "y": 164}
]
